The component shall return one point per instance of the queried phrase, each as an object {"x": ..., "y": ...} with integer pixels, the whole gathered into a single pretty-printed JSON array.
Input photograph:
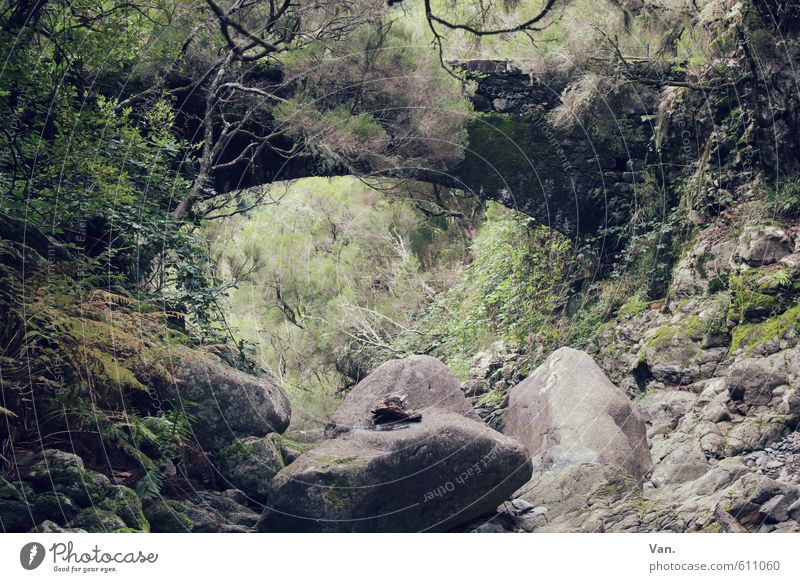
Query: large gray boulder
[
  {"x": 439, "y": 470},
  {"x": 227, "y": 404},
  {"x": 569, "y": 412},
  {"x": 425, "y": 381},
  {"x": 430, "y": 475}
]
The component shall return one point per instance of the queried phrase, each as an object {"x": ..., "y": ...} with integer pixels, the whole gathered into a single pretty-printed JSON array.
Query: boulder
[
  {"x": 763, "y": 245},
  {"x": 431, "y": 475},
  {"x": 126, "y": 504},
  {"x": 227, "y": 404},
  {"x": 753, "y": 433},
  {"x": 51, "y": 469},
  {"x": 168, "y": 516},
  {"x": 94, "y": 520},
  {"x": 569, "y": 412},
  {"x": 700, "y": 266},
  {"x": 756, "y": 498},
  {"x": 250, "y": 464},
  {"x": 792, "y": 262},
  {"x": 218, "y": 512},
  {"x": 425, "y": 381}
]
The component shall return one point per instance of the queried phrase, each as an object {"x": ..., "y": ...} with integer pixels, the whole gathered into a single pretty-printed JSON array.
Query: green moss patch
[
  {"x": 759, "y": 293},
  {"x": 749, "y": 337},
  {"x": 124, "y": 503}
]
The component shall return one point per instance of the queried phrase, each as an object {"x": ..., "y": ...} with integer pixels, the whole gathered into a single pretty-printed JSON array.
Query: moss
[
  {"x": 16, "y": 490},
  {"x": 125, "y": 503},
  {"x": 331, "y": 461},
  {"x": 491, "y": 398},
  {"x": 236, "y": 450},
  {"x": 55, "y": 506},
  {"x": 634, "y": 306},
  {"x": 675, "y": 335},
  {"x": 295, "y": 445},
  {"x": 759, "y": 293},
  {"x": 693, "y": 327},
  {"x": 168, "y": 516},
  {"x": 749, "y": 337},
  {"x": 338, "y": 497}
]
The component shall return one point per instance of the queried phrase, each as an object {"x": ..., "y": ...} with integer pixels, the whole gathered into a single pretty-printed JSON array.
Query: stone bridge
[{"x": 576, "y": 180}]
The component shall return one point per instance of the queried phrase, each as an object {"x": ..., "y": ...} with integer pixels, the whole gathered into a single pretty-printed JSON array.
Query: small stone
[
  {"x": 774, "y": 464},
  {"x": 541, "y": 510},
  {"x": 522, "y": 506}
]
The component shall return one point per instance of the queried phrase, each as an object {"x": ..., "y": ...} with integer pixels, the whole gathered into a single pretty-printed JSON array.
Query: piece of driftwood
[{"x": 393, "y": 409}]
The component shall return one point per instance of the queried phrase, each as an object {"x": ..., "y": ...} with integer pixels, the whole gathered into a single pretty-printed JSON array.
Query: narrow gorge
[{"x": 350, "y": 267}]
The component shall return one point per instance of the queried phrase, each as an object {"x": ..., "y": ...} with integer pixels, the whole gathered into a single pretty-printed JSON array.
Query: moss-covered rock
[
  {"x": 15, "y": 490},
  {"x": 15, "y": 516},
  {"x": 95, "y": 520},
  {"x": 125, "y": 503},
  {"x": 760, "y": 293},
  {"x": 296, "y": 443},
  {"x": 51, "y": 469},
  {"x": 672, "y": 353},
  {"x": 168, "y": 516},
  {"x": 54, "y": 506},
  {"x": 767, "y": 337}
]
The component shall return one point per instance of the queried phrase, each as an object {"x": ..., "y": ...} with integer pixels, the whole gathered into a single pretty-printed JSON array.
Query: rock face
[
  {"x": 569, "y": 412},
  {"x": 228, "y": 404},
  {"x": 427, "y": 383},
  {"x": 250, "y": 464},
  {"x": 493, "y": 373},
  {"x": 430, "y": 475},
  {"x": 763, "y": 245}
]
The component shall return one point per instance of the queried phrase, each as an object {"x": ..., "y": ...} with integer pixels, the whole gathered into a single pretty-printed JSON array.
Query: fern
[
  {"x": 150, "y": 485},
  {"x": 783, "y": 277}
]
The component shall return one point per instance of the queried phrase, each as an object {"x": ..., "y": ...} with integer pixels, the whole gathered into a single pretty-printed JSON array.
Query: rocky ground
[
  {"x": 714, "y": 374},
  {"x": 680, "y": 415}
]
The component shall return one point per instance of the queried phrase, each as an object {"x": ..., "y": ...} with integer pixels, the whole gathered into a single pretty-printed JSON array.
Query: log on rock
[{"x": 393, "y": 409}]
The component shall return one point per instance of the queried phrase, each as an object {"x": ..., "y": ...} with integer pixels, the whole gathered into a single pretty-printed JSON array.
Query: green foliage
[
  {"x": 783, "y": 201},
  {"x": 95, "y": 174},
  {"x": 327, "y": 277},
  {"x": 355, "y": 109},
  {"x": 510, "y": 291},
  {"x": 635, "y": 305},
  {"x": 81, "y": 367}
]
